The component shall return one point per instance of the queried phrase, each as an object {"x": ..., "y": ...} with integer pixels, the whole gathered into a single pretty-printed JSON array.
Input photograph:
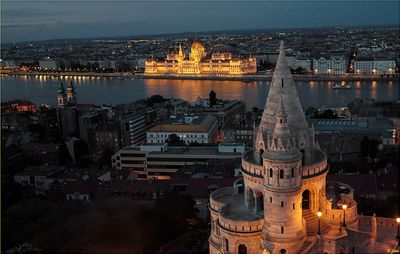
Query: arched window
[
  {"x": 270, "y": 172},
  {"x": 226, "y": 245},
  {"x": 242, "y": 249},
  {"x": 281, "y": 174},
  {"x": 292, "y": 172},
  {"x": 302, "y": 158}
]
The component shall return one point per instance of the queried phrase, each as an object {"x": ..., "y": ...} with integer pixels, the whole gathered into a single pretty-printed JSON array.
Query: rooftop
[{"x": 186, "y": 124}]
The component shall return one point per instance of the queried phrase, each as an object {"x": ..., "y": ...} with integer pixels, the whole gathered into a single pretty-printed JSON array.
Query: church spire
[{"x": 61, "y": 96}]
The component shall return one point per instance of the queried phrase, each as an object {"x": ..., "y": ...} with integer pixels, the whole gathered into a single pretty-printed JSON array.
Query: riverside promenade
[{"x": 244, "y": 78}]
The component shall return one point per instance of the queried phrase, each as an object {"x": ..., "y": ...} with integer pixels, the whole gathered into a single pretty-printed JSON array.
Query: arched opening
[
  {"x": 281, "y": 174},
  {"x": 226, "y": 245},
  {"x": 282, "y": 251},
  {"x": 303, "y": 157},
  {"x": 250, "y": 199},
  {"x": 261, "y": 159},
  {"x": 242, "y": 249},
  {"x": 260, "y": 203},
  {"x": 305, "y": 202}
]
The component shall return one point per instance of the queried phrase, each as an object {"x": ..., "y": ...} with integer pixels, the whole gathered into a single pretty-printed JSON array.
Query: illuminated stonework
[
  {"x": 282, "y": 204},
  {"x": 220, "y": 63}
]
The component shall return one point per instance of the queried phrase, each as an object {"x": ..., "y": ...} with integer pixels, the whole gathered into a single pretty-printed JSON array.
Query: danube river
[{"x": 43, "y": 90}]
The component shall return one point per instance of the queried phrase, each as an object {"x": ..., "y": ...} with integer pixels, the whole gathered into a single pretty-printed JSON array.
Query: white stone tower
[
  {"x": 281, "y": 205},
  {"x": 283, "y": 227},
  {"x": 61, "y": 96}
]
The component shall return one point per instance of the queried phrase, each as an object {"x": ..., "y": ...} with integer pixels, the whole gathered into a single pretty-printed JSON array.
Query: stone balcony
[{"x": 234, "y": 216}]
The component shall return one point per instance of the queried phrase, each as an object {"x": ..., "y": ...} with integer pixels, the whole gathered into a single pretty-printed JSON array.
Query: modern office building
[{"x": 161, "y": 161}]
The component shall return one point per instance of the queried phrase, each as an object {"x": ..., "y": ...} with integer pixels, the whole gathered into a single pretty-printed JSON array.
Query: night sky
[{"x": 43, "y": 20}]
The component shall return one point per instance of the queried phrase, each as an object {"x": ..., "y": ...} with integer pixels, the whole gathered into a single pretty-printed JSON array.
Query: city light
[{"x": 227, "y": 142}]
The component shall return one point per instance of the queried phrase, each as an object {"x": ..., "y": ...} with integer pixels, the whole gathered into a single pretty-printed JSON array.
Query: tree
[
  {"x": 173, "y": 139},
  {"x": 106, "y": 153},
  {"x": 213, "y": 98},
  {"x": 155, "y": 99},
  {"x": 63, "y": 154},
  {"x": 364, "y": 146},
  {"x": 311, "y": 111},
  {"x": 327, "y": 114},
  {"x": 373, "y": 148},
  {"x": 81, "y": 149}
]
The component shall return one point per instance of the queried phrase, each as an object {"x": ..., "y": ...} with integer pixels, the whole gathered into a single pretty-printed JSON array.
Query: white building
[
  {"x": 49, "y": 63},
  {"x": 335, "y": 65},
  {"x": 374, "y": 67},
  {"x": 321, "y": 65},
  {"x": 191, "y": 129}
]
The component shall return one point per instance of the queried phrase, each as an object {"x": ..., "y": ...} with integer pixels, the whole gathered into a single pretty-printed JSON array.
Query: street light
[
  {"x": 319, "y": 214},
  {"x": 398, "y": 228},
  {"x": 344, "y": 206}
]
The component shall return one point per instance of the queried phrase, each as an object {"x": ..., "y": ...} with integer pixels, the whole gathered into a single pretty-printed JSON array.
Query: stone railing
[
  {"x": 316, "y": 168},
  {"x": 215, "y": 198},
  {"x": 241, "y": 226},
  {"x": 335, "y": 215},
  {"x": 380, "y": 221},
  {"x": 251, "y": 168}
]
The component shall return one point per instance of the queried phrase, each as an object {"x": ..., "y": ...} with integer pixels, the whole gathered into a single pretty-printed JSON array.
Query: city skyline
[{"x": 41, "y": 20}]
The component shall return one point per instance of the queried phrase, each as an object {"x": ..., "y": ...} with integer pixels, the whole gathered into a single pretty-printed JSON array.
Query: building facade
[
  {"x": 190, "y": 129},
  {"x": 374, "y": 67},
  {"x": 334, "y": 65},
  {"x": 108, "y": 134},
  {"x": 198, "y": 64},
  {"x": 160, "y": 161},
  {"x": 67, "y": 111},
  {"x": 274, "y": 207}
]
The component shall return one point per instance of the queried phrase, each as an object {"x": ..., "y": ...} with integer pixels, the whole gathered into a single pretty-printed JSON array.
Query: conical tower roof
[
  {"x": 70, "y": 86},
  {"x": 61, "y": 89},
  {"x": 283, "y": 94}
]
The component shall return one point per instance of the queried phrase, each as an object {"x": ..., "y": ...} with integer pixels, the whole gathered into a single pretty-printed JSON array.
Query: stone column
[
  {"x": 373, "y": 227},
  {"x": 255, "y": 202},
  {"x": 246, "y": 197}
]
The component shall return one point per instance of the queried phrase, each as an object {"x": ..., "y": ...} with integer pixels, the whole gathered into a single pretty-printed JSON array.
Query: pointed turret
[
  {"x": 283, "y": 94},
  {"x": 181, "y": 54},
  {"x": 61, "y": 89},
  {"x": 281, "y": 137},
  {"x": 61, "y": 97}
]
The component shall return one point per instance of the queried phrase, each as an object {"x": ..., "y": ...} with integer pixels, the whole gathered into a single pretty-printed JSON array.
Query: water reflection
[{"x": 107, "y": 90}]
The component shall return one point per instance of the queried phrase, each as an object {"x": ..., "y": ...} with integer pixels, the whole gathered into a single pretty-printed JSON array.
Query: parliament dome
[{"x": 197, "y": 45}]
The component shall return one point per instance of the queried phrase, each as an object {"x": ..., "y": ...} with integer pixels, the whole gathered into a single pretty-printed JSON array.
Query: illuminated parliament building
[
  {"x": 283, "y": 204},
  {"x": 198, "y": 64}
]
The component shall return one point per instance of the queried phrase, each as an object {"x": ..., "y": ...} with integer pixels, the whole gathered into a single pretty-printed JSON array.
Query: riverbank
[{"x": 244, "y": 78}]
